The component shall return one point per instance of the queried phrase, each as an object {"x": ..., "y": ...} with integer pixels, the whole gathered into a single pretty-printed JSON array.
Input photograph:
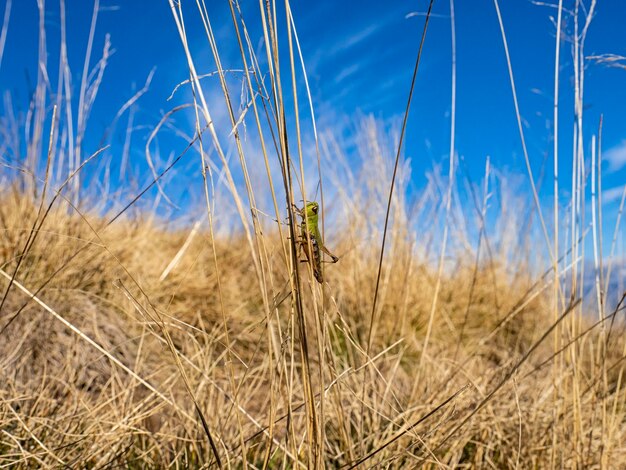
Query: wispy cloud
[
  {"x": 616, "y": 156},
  {"x": 359, "y": 36},
  {"x": 422, "y": 13},
  {"x": 346, "y": 40},
  {"x": 347, "y": 71},
  {"x": 613, "y": 194}
]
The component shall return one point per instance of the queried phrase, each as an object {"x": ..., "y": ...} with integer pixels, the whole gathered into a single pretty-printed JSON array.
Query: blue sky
[{"x": 359, "y": 58}]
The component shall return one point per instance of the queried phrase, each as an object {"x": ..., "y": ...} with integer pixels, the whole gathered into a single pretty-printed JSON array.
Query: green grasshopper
[{"x": 310, "y": 239}]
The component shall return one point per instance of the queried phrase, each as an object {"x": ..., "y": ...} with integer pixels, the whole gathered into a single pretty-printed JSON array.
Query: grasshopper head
[{"x": 312, "y": 208}]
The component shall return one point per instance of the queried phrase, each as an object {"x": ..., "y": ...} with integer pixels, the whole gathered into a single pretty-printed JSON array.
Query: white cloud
[{"x": 616, "y": 156}]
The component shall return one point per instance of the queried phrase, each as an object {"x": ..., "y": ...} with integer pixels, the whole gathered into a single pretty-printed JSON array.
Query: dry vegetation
[{"x": 133, "y": 341}]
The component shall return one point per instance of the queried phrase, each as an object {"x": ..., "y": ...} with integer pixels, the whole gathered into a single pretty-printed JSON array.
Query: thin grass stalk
[
  {"x": 598, "y": 289},
  {"x": 615, "y": 419},
  {"x": 600, "y": 224},
  {"x": 271, "y": 49},
  {"x": 322, "y": 342},
  {"x": 583, "y": 223},
  {"x": 82, "y": 98},
  {"x": 451, "y": 178},
  {"x": 260, "y": 243},
  {"x": 594, "y": 227},
  {"x": 556, "y": 293},
  {"x": 387, "y": 214},
  {"x": 259, "y": 268},
  {"x": 127, "y": 142},
  {"x": 393, "y": 178},
  {"x": 579, "y": 62},
  {"x": 59, "y": 92},
  {"x": 603, "y": 344},
  {"x": 38, "y": 111},
  {"x": 521, "y": 132},
  {"x": 67, "y": 93},
  {"x": 296, "y": 285},
  {"x": 313, "y": 120},
  {"x": 177, "y": 14},
  {"x": 128, "y": 105},
  {"x": 195, "y": 81},
  {"x": 5, "y": 28},
  {"x": 605, "y": 444},
  {"x": 249, "y": 190},
  {"x": 573, "y": 215},
  {"x": 570, "y": 330},
  {"x": 251, "y": 90},
  {"x": 315, "y": 443},
  {"x": 481, "y": 212},
  {"x": 274, "y": 200},
  {"x": 316, "y": 430},
  {"x": 268, "y": 19},
  {"x": 578, "y": 351},
  {"x": 481, "y": 234},
  {"x": 231, "y": 373}
]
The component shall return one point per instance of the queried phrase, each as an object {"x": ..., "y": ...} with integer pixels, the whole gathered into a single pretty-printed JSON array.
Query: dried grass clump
[{"x": 63, "y": 400}]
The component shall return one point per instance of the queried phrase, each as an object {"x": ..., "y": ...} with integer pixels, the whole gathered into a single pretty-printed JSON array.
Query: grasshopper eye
[{"x": 315, "y": 209}]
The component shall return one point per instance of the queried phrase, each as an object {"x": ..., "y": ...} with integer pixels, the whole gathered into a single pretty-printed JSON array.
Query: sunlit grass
[{"x": 128, "y": 339}]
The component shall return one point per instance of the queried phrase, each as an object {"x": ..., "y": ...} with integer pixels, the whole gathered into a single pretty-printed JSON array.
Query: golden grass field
[{"x": 144, "y": 341}]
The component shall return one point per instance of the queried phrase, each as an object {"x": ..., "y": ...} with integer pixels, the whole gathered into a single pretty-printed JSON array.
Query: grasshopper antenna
[{"x": 317, "y": 189}]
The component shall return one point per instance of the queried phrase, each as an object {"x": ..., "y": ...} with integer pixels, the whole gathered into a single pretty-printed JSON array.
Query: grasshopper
[{"x": 310, "y": 240}]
